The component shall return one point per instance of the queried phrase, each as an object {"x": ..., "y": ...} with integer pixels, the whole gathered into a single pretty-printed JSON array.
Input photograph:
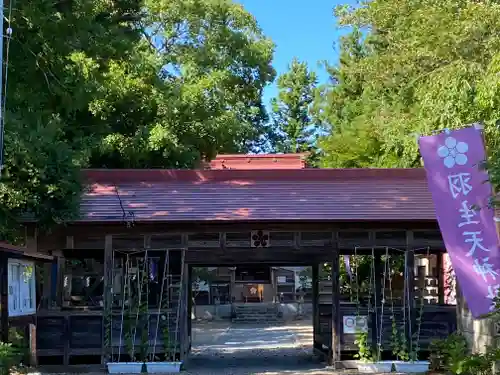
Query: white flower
[{"x": 453, "y": 152}]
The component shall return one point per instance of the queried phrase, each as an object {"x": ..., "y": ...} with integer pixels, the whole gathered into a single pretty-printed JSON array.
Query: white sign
[
  {"x": 354, "y": 324},
  {"x": 281, "y": 279}
]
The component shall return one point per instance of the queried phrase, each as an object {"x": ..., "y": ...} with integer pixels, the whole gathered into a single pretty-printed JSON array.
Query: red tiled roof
[
  {"x": 259, "y": 161},
  {"x": 249, "y": 195}
]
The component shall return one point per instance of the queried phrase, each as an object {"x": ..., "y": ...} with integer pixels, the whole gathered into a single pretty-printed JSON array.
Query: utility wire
[{"x": 4, "y": 80}]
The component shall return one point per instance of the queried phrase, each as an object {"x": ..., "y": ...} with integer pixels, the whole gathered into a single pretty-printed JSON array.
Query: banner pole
[{"x": 479, "y": 126}]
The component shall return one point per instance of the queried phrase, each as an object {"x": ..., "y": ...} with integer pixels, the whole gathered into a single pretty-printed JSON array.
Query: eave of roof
[
  {"x": 220, "y": 175},
  {"x": 257, "y": 195},
  {"x": 22, "y": 252}
]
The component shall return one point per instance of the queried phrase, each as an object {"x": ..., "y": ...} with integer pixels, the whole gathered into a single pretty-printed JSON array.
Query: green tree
[
  {"x": 291, "y": 109},
  {"x": 418, "y": 66},
  {"x": 60, "y": 58},
  {"x": 215, "y": 63},
  {"x": 135, "y": 84}
]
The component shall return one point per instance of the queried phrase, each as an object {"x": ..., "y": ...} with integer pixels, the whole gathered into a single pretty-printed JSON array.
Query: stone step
[
  {"x": 255, "y": 316},
  {"x": 274, "y": 320}
]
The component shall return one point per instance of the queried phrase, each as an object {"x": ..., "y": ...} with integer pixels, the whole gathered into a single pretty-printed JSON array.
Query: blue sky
[{"x": 302, "y": 29}]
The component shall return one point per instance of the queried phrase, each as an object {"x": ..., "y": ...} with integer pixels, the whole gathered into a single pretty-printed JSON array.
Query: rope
[
  {"x": 108, "y": 295},
  {"x": 389, "y": 268},
  {"x": 127, "y": 276},
  {"x": 139, "y": 281},
  {"x": 3, "y": 102},
  {"x": 383, "y": 301},
  {"x": 179, "y": 304},
  {"x": 375, "y": 301},
  {"x": 407, "y": 303},
  {"x": 356, "y": 279},
  {"x": 160, "y": 304},
  {"x": 419, "y": 324}
]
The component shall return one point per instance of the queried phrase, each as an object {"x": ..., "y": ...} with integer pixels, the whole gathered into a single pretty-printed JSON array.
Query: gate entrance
[{"x": 251, "y": 225}]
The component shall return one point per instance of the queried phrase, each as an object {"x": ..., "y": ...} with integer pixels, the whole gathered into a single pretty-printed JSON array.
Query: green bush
[
  {"x": 447, "y": 354},
  {"x": 9, "y": 357},
  {"x": 479, "y": 364},
  {"x": 452, "y": 355}
]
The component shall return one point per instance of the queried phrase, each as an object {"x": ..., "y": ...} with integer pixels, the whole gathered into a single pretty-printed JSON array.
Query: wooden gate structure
[{"x": 310, "y": 216}]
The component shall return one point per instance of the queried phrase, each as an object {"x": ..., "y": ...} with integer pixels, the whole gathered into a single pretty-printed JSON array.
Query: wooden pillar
[
  {"x": 4, "y": 297},
  {"x": 440, "y": 277},
  {"x": 190, "y": 306},
  {"x": 107, "y": 299},
  {"x": 334, "y": 354},
  {"x": 317, "y": 345},
  {"x": 233, "y": 282},
  {"x": 30, "y": 334},
  {"x": 46, "y": 301},
  {"x": 60, "y": 266},
  {"x": 377, "y": 299},
  {"x": 273, "y": 285},
  {"x": 65, "y": 276}
]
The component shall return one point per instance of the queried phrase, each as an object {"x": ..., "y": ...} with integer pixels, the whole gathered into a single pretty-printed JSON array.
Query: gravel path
[{"x": 225, "y": 349}]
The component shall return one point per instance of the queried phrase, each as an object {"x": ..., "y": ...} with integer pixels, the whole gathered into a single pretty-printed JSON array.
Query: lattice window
[
  {"x": 238, "y": 239},
  {"x": 319, "y": 239},
  {"x": 206, "y": 240},
  {"x": 283, "y": 239}
]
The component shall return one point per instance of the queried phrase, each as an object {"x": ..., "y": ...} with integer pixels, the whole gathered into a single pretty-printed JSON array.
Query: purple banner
[{"x": 467, "y": 225}]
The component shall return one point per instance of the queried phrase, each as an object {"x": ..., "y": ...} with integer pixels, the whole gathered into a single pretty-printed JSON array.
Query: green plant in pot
[
  {"x": 399, "y": 343},
  {"x": 364, "y": 350},
  {"x": 169, "y": 354},
  {"x": 143, "y": 312}
]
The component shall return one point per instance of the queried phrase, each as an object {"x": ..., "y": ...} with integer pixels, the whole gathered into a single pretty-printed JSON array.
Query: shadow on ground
[{"x": 225, "y": 348}]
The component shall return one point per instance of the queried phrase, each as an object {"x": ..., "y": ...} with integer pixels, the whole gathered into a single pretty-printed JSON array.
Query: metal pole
[
  {"x": 479, "y": 126},
  {"x": 2, "y": 107}
]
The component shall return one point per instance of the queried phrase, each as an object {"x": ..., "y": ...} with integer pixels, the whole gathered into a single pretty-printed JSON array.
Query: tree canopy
[
  {"x": 163, "y": 84},
  {"x": 407, "y": 68},
  {"x": 136, "y": 84},
  {"x": 290, "y": 110}
]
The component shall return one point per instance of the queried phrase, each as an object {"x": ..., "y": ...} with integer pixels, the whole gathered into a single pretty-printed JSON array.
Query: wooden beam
[
  {"x": 99, "y": 229},
  {"x": 317, "y": 345},
  {"x": 4, "y": 297},
  {"x": 334, "y": 355}
]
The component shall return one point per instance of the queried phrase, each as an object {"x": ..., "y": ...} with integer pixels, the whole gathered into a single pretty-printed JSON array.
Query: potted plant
[
  {"x": 369, "y": 362},
  {"x": 132, "y": 321},
  {"x": 366, "y": 364},
  {"x": 169, "y": 363},
  {"x": 408, "y": 362}
]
